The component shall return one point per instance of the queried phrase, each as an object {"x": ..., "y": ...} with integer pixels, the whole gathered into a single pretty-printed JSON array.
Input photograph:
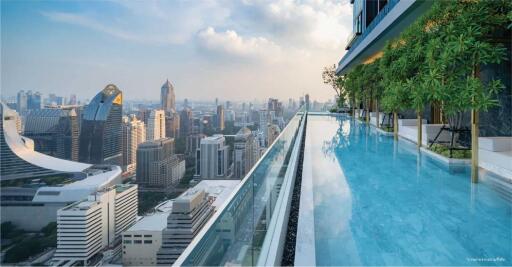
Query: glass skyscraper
[{"x": 101, "y": 129}]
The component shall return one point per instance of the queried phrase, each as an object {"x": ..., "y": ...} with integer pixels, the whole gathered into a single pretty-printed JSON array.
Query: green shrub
[{"x": 445, "y": 151}]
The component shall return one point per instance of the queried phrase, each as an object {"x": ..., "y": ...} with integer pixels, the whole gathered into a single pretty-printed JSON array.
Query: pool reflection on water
[{"x": 379, "y": 202}]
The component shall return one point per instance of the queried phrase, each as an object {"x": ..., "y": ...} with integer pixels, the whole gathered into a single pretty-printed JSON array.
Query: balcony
[{"x": 250, "y": 228}]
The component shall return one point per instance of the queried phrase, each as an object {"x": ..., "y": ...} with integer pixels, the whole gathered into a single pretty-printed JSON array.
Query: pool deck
[{"x": 305, "y": 246}]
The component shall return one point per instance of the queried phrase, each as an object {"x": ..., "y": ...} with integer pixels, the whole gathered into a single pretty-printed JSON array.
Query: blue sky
[{"x": 238, "y": 50}]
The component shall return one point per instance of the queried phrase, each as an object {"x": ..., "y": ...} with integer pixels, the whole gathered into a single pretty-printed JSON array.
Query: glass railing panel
[{"x": 237, "y": 233}]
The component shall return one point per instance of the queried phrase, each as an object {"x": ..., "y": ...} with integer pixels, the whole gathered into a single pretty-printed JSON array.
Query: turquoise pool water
[{"x": 378, "y": 202}]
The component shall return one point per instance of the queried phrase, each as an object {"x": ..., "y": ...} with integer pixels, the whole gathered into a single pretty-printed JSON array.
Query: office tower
[
  {"x": 228, "y": 104},
  {"x": 245, "y": 152},
  {"x": 273, "y": 132},
  {"x": 155, "y": 126},
  {"x": 167, "y": 97},
  {"x": 192, "y": 142},
  {"x": 54, "y": 132},
  {"x": 158, "y": 168},
  {"x": 185, "y": 122},
  {"x": 101, "y": 129},
  {"x": 220, "y": 117},
  {"x": 212, "y": 158},
  {"x": 230, "y": 115},
  {"x": 21, "y": 102},
  {"x": 134, "y": 133},
  {"x": 93, "y": 225},
  {"x": 190, "y": 212},
  {"x": 307, "y": 101},
  {"x": 185, "y": 103},
  {"x": 34, "y": 100},
  {"x": 72, "y": 100},
  {"x": 172, "y": 124},
  {"x": 264, "y": 120},
  {"x": 54, "y": 100}
]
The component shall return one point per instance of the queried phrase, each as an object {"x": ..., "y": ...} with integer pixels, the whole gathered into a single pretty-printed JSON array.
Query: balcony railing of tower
[
  {"x": 250, "y": 227},
  {"x": 355, "y": 39}
]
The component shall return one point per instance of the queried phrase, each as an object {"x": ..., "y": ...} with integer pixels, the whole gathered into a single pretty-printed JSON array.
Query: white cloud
[
  {"x": 231, "y": 43},
  {"x": 285, "y": 42}
]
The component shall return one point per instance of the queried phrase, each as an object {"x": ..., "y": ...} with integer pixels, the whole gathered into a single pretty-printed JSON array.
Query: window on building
[
  {"x": 148, "y": 235},
  {"x": 137, "y": 241},
  {"x": 148, "y": 241},
  {"x": 127, "y": 241}
]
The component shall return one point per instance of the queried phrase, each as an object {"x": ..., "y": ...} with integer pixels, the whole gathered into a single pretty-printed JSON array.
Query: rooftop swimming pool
[{"x": 369, "y": 200}]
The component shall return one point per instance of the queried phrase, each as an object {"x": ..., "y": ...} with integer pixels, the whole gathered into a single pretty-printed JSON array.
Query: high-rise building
[
  {"x": 34, "y": 100},
  {"x": 212, "y": 158},
  {"x": 265, "y": 117},
  {"x": 245, "y": 152},
  {"x": 101, "y": 129},
  {"x": 172, "y": 124},
  {"x": 190, "y": 212},
  {"x": 186, "y": 122},
  {"x": 307, "y": 101},
  {"x": 134, "y": 133},
  {"x": 54, "y": 132},
  {"x": 192, "y": 142},
  {"x": 273, "y": 132},
  {"x": 167, "y": 97},
  {"x": 72, "y": 100},
  {"x": 91, "y": 226},
  {"x": 158, "y": 168},
  {"x": 155, "y": 126},
  {"x": 22, "y": 102},
  {"x": 220, "y": 117}
]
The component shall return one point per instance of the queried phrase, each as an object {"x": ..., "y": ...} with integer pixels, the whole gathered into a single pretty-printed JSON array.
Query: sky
[{"x": 234, "y": 50}]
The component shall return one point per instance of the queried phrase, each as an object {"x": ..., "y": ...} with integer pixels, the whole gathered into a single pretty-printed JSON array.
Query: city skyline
[{"x": 205, "y": 49}]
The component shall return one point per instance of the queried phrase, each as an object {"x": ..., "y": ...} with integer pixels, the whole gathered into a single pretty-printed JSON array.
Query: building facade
[
  {"x": 158, "y": 167},
  {"x": 245, "y": 153},
  {"x": 172, "y": 124},
  {"x": 273, "y": 132},
  {"x": 101, "y": 128},
  {"x": 220, "y": 118},
  {"x": 89, "y": 227},
  {"x": 54, "y": 131},
  {"x": 186, "y": 121},
  {"x": 167, "y": 97},
  {"x": 190, "y": 212},
  {"x": 142, "y": 241},
  {"x": 155, "y": 125},
  {"x": 212, "y": 158},
  {"x": 134, "y": 133}
]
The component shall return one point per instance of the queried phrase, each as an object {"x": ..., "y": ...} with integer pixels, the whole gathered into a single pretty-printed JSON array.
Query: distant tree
[
  {"x": 336, "y": 82},
  {"x": 49, "y": 229}
]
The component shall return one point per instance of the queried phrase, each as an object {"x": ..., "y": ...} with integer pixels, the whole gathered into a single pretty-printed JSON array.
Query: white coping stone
[
  {"x": 409, "y": 122},
  {"x": 305, "y": 254},
  {"x": 495, "y": 144},
  {"x": 497, "y": 162}
]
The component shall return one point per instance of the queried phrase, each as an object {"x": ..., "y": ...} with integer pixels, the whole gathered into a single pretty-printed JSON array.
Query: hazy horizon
[{"x": 233, "y": 50}]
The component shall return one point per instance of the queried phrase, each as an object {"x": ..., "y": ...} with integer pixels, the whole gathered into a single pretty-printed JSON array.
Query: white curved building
[{"x": 24, "y": 173}]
